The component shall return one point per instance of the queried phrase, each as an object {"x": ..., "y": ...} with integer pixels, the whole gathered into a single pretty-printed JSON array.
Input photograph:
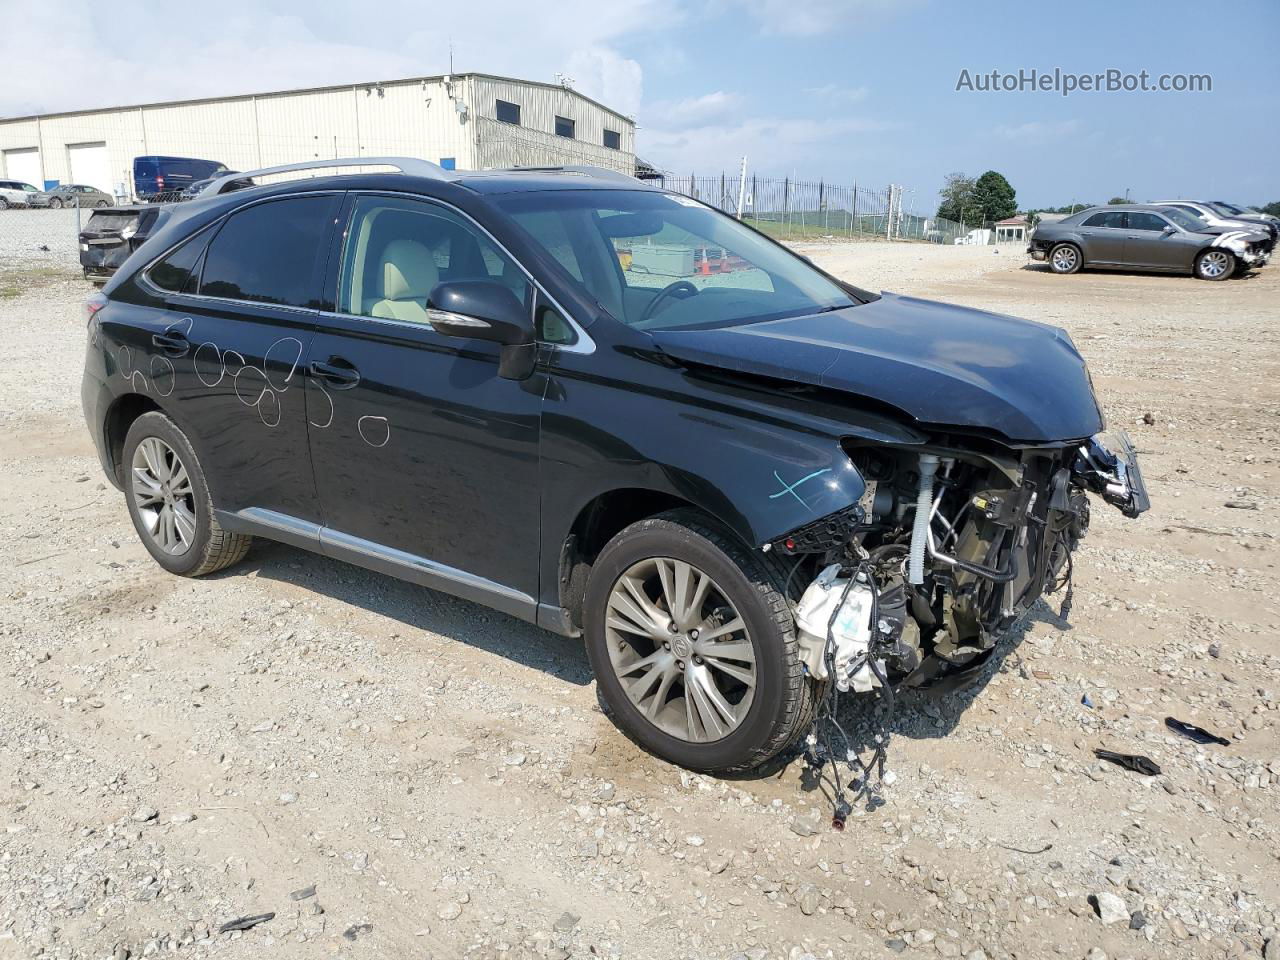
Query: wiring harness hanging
[{"x": 829, "y": 744}]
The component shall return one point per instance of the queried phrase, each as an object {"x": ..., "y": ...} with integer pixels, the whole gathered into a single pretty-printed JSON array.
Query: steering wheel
[{"x": 670, "y": 290}]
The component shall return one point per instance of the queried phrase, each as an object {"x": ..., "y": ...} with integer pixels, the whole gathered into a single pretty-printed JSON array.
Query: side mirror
[
  {"x": 1168, "y": 232},
  {"x": 484, "y": 310},
  {"x": 479, "y": 310}
]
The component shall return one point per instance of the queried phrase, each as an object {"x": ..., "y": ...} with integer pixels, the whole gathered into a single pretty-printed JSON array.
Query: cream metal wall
[{"x": 436, "y": 118}]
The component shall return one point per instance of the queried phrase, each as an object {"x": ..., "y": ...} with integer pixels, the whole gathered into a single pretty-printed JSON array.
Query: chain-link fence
[
  {"x": 813, "y": 210},
  {"x": 40, "y": 237}
]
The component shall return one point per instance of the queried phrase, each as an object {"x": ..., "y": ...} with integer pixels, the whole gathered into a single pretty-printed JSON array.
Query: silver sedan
[
  {"x": 1147, "y": 237},
  {"x": 78, "y": 194}
]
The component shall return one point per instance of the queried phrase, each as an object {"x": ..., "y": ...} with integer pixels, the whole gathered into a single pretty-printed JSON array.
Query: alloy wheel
[
  {"x": 1064, "y": 259},
  {"x": 680, "y": 650},
  {"x": 163, "y": 495},
  {"x": 1214, "y": 264}
]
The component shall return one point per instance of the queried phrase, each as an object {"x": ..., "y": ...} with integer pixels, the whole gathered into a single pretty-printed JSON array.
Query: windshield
[
  {"x": 657, "y": 261},
  {"x": 1185, "y": 220},
  {"x": 1229, "y": 209}
]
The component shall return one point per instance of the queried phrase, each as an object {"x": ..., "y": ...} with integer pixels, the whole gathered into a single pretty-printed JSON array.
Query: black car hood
[{"x": 944, "y": 365}]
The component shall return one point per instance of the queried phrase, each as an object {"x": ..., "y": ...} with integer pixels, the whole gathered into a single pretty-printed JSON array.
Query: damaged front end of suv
[
  {"x": 929, "y": 549},
  {"x": 946, "y": 550}
]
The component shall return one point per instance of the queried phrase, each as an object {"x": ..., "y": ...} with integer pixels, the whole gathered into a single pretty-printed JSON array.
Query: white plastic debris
[{"x": 851, "y": 632}]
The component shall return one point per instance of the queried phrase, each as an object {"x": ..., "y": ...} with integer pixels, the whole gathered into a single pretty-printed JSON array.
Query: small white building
[
  {"x": 464, "y": 121},
  {"x": 1011, "y": 229}
]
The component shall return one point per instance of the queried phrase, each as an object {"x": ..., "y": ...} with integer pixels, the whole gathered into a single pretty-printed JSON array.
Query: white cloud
[
  {"x": 1038, "y": 131},
  {"x": 813, "y": 17},
  {"x": 91, "y": 55},
  {"x": 603, "y": 74},
  {"x": 710, "y": 108},
  {"x": 780, "y": 144}
]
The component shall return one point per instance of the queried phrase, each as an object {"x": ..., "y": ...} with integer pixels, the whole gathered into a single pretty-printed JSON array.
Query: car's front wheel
[
  {"x": 694, "y": 646},
  {"x": 1215, "y": 264},
  {"x": 1065, "y": 258},
  {"x": 169, "y": 501},
  {"x": 56, "y": 203}
]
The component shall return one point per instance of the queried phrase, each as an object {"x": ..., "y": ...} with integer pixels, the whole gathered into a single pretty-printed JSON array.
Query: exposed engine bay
[{"x": 944, "y": 553}]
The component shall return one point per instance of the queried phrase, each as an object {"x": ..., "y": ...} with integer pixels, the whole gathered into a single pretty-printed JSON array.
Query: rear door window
[
  {"x": 270, "y": 252},
  {"x": 1113, "y": 219}
]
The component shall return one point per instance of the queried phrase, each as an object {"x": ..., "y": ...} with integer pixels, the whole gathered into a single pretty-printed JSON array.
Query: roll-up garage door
[
  {"x": 24, "y": 165},
  {"x": 90, "y": 165}
]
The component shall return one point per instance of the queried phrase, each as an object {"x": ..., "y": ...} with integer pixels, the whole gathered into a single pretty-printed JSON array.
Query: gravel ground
[{"x": 178, "y": 754}]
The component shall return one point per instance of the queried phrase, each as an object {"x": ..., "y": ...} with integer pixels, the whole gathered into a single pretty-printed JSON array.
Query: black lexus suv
[{"x": 609, "y": 410}]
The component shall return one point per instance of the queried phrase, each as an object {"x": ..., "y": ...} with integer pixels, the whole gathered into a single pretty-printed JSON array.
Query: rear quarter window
[
  {"x": 179, "y": 271},
  {"x": 268, "y": 253}
]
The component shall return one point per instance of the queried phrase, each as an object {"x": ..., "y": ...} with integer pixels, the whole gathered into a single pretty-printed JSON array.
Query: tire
[
  {"x": 55, "y": 203},
  {"x": 100, "y": 204},
  {"x": 782, "y": 699},
  {"x": 1065, "y": 258},
  {"x": 206, "y": 546},
  {"x": 1214, "y": 263},
  {"x": 4, "y": 204}
]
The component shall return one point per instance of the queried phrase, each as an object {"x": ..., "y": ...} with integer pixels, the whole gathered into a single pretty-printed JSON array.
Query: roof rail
[
  {"x": 407, "y": 165},
  {"x": 604, "y": 173}
]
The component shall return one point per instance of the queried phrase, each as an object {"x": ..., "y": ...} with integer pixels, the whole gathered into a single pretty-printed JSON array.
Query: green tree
[
  {"x": 957, "y": 199},
  {"x": 1114, "y": 200},
  {"x": 1069, "y": 208},
  {"x": 994, "y": 196},
  {"x": 1272, "y": 208}
]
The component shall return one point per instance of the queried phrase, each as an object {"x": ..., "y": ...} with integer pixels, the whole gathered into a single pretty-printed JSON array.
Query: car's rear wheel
[
  {"x": 169, "y": 501},
  {"x": 4, "y": 204},
  {"x": 1215, "y": 264},
  {"x": 100, "y": 204},
  {"x": 56, "y": 203},
  {"x": 1065, "y": 258},
  {"x": 694, "y": 646}
]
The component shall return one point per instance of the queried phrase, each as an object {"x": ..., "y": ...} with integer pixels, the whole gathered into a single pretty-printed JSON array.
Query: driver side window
[{"x": 397, "y": 250}]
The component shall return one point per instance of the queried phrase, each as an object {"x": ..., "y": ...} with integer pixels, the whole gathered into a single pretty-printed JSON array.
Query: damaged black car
[{"x": 609, "y": 410}]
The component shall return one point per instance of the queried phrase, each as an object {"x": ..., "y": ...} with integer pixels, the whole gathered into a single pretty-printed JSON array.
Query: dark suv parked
[
  {"x": 112, "y": 234},
  {"x": 610, "y": 410}
]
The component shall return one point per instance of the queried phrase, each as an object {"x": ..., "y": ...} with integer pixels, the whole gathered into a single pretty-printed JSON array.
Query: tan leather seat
[{"x": 409, "y": 274}]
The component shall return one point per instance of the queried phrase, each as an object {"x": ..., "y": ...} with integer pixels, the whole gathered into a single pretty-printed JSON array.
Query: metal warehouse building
[{"x": 463, "y": 121}]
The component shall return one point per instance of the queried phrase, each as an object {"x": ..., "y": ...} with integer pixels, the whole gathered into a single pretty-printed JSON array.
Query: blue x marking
[{"x": 791, "y": 488}]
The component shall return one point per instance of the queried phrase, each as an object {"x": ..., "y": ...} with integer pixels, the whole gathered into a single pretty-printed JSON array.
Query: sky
[{"x": 843, "y": 90}]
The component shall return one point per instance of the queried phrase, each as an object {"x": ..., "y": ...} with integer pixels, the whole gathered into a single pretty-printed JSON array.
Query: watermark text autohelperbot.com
[{"x": 1066, "y": 83}]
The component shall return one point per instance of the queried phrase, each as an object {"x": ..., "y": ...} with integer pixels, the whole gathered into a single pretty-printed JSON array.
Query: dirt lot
[{"x": 176, "y": 754}]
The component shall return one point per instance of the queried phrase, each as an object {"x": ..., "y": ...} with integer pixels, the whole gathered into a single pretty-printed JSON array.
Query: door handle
[
  {"x": 338, "y": 377},
  {"x": 171, "y": 344}
]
